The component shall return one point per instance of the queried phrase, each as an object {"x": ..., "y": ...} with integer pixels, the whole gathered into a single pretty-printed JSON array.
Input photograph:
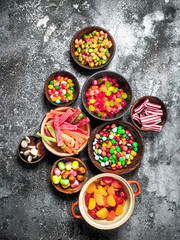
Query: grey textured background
[{"x": 35, "y": 38}]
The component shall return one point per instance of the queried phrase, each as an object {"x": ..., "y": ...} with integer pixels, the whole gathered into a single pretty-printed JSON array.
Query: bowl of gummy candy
[
  {"x": 68, "y": 175},
  {"x": 106, "y": 95},
  {"x": 92, "y": 47},
  {"x": 106, "y": 201},
  {"x": 61, "y": 88},
  {"x": 65, "y": 131},
  {"x": 116, "y": 147}
]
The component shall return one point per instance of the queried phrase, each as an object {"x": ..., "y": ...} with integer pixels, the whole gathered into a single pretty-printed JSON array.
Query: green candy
[
  {"x": 51, "y": 82},
  {"x": 111, "y": 151},
  {"x": 107, "y": 84},
  {"x": 115, "y": 91},
  {"x": 118, "y": 131},
  {"x": 113, "y": 141},
  {"x": 64, "y": 182},
  {"x": 113, "y": 161},
  {"x": 111, "y": 103},
  {"x": 101, "y": 137},
  {"x": 100, "y": 161},
  {"x": 71, "y": 88},
  {"x": 124, "y": 135},
  {"x": 61, "y": 166},
  {"x": 108, "y": 93},
  {"x": 114, "y": 156},
  {"x": 100, "y": 80},
  {"x": 67, "y": 94},
  {"x": 135, "y": 149},
  {"x": 122, "y": 131},
  {"x": 121, "y": 159},
  {"x": 119, "y": 128},
  {"x": 111, "y": 157},
  {"x": 99, "y": 114},
  {"x": 59, "y": 177},
  {"x": 105, "y": 158},
  {"x": 135, "y": 144},
  {"x": 57, "y": 87},
  {"x": 123, "y": 163}
]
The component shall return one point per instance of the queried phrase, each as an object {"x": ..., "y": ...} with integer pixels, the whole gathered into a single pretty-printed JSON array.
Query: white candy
[
  {"x": 114, "y": 130},
  {"x": 99, "y": 151},
  {"x": 96, "y": 157},
  {"x": 120, "y": 141},
  {"x": 94, "y": 147},
  {"x": 107, "y": 163},
  {"x": 27, "y": 140},
  {"x": 101, "y": 158},
  {"x": 104, "y": 138},
  {"x": 34, "y": 152},
  {"x": 64, "y": 91},
  {"x": 24, "y": 144},
  {"x": 111, "y": 136},
  {"x": 56, "y": 92},
  {"x": 102, "y": 164},
  {"x": 29, "y": 158},
  {"x": 26, "y": 153}
]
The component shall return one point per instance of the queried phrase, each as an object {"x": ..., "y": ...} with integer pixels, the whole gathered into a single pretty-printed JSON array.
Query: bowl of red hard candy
[
  {"x": 106, "y": 95},
  {"x": 149, "y": 114},
  {"x": 106, "y": 201}
]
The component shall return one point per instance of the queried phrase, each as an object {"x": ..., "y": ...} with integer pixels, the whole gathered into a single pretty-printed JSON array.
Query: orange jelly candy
[
  {"x": 119, "y": 210},
  {"x": 91, "y": 188}
]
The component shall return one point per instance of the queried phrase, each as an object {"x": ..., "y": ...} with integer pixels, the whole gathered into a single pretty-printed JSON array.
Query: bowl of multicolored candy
[
  {"x": 116, "y": 148},
  {"x": 68, "y": 175},
  {"x": 61, "y": 88},
  {"x": 92, "y": 47},
  {"x": 106, "y": 95},
  {"x": 106, "y": 201}
]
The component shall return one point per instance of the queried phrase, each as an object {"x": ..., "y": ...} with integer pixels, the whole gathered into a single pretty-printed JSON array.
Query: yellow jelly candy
[
  {"x": 111, "y": 201},
  {"x": 102, "y": 213},
  {"x": 92, "y": 204},
  {"x": 102, "y": 190},
  {"x": 75, "y": 165},
  {"x": 54, "y": 99},
  {"x": 50, "y": 86}
]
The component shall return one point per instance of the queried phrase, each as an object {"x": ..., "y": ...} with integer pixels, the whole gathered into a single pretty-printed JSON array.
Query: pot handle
[
  {"x": 138, "y": 186},
  {"x": 72, "y": 210}
]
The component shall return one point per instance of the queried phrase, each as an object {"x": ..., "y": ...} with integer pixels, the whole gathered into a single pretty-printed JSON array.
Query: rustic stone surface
[{"x": 35, "y": 41}]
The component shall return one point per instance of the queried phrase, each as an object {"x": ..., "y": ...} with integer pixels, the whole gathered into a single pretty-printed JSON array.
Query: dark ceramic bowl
[
  {"x": 79, "y": 35},
  {"x": 33, "y": 160},
  {"x": 122, "y": 83},
  {"x": 69, "y": 190},
  {"x": 62, "y": 74},
  {"x": 138, "y": 138},
  {"x": 152, "y": 99}
]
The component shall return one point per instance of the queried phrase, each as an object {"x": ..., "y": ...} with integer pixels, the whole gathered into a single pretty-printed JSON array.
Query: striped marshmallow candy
[
  {"x": 150, "y": 119},
  {"x": 149, "y": 111},
  {"x": 141, "y": 107},
  {"x": 151, "y": 127}
]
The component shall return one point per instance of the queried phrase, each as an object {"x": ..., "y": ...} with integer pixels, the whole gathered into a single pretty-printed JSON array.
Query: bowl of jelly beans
[
  {"x": 68, "y": 175},
  {"x": 92, "y": 47},
  {"x": 62, "y": 88},
  {"x": 106, "y": 201},
  {"x": 106, "y": 95},
  {"x": 116, "y": 147}
]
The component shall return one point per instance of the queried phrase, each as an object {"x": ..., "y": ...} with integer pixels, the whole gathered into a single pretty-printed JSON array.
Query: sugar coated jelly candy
[
  {"x": 75, "y": 165},
  {"x": 55, "y": 179},
  {"x": 61, "y": 166}
]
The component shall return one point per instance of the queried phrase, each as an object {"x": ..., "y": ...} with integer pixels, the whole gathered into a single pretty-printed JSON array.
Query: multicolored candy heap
[{"x": 149, "y": 115}]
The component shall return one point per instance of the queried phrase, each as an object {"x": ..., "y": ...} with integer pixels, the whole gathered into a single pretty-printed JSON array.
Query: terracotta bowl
[
  {"x": 62, "y": 74},
  {"x": 152, "y": 99},
  {"x": 69, "y": 190},
  {"x": 122, "y": 83},
  {"x": 119, "y": 220},
  {"x": 79, "y": 35},
  {"x": 34, "y": 160},
  {"x": 51, "y": 147},
  {"x": 138, "y": 138}
]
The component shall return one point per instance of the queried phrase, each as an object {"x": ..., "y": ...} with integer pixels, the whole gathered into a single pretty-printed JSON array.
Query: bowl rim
[
  {"x": 87, "y": 67},
  {"x": 114, "y": 172},
  {"x": 77, "y": 189},
  {"x": 105, "y": 119},
  {"x": 62, "y": 104},
  {"x": 110, "y": 225},
  {"x": 33, "y": 162},
  {"x": 143, "y": 98},
  {"x": 64, "y": 154}
]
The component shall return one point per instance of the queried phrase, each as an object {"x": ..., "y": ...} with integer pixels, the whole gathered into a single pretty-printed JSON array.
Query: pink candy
[
  {"x": 75, "y": 184},
  {"x": 73, "y": 172},
  {"x": 57, "y": 171},
  {"x": 148, "y": 115}
]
